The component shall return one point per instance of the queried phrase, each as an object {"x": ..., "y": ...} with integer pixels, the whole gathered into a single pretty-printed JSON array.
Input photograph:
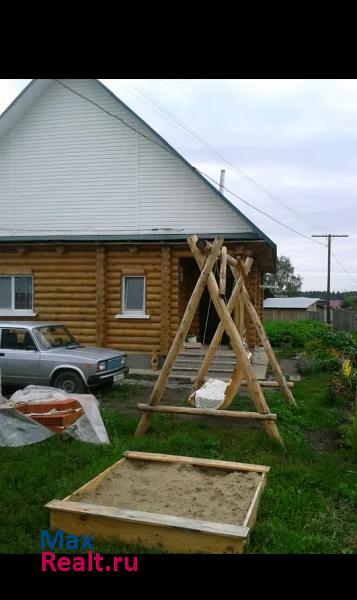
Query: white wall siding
[{"x": 66, "y": 167}]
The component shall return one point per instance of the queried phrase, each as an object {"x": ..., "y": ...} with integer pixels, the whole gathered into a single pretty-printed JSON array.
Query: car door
[{"x": 19, "y": 357}]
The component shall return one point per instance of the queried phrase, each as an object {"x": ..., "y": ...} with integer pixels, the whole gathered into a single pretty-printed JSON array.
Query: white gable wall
[{"x": 68, "y": 168}]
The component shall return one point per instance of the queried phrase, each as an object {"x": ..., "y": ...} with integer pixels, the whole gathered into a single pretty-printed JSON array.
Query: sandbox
[{"x": 176, "y": 503}]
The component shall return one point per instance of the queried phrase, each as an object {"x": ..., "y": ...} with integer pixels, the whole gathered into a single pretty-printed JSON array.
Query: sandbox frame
[{"x": 152, "y": 530}]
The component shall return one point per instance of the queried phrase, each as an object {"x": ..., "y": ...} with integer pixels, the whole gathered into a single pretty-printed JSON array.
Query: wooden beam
[
  {"x": 198, "y": 462},
  {"x": 182, "y": 330},
  {"x": 170, "y": 533},
  {"x": 223, "y": 272},
  {"x": 205, "y": 247},
  {"x": 199, "y": 381},
  {"x": 233, "y": 387},
  {"x": 256, "y": 393},
  {"x": 165, "y": 299},
  {"x": 100, "y": 295},
  {"x": 208, "y": 412},
  {"x": 241, "y": 269},
  {"x": 268, "y": 349}
]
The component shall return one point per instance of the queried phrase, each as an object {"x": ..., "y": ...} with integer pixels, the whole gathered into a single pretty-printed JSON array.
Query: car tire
[{"x": 70, "y": 382}]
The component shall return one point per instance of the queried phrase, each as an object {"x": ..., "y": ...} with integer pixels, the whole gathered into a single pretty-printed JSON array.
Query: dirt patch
[
  {"x": 289, "y": 367},
  {"x": 178, "y": 489},
  {"x": 324, "y": 440}
]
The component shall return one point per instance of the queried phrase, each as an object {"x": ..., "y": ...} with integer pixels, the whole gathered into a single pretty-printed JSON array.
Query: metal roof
[{"x": 296, "y": 302}]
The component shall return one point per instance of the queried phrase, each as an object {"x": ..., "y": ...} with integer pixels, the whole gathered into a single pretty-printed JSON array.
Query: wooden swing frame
[{"x": 206, "y": 256}]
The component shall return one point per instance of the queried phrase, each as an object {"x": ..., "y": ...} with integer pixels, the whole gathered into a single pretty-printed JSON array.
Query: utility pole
[
  {"x": 329, "y": 236},
  {"x": 221, "y": 182}
]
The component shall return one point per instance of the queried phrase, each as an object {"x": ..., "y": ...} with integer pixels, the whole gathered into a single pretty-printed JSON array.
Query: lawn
[{"x": 308, "y": 506}]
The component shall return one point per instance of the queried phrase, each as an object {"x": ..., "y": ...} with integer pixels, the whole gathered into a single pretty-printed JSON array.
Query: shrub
[
  {"x": 296, "y": 333},
  {"x": 322, "y": 349}
]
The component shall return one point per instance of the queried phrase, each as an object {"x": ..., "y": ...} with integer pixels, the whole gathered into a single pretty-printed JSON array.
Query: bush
[
  {"x": 297, "y": 333},
  {"x": 321, "y": 348}
]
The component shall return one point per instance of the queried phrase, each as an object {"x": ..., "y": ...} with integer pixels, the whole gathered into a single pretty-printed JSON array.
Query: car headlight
[
  {"x": 123, "y": 360},
  {"x": 102, "y": 365}
]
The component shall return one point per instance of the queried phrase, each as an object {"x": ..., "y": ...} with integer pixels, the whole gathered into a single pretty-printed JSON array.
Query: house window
[
  {"x": 16, "y": 296},
  {"x": 133, "y": 297}
]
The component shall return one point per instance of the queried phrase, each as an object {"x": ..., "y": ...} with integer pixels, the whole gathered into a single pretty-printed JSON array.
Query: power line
[
  {"x": 344, "y": 269},
  {"x": 114, "y": 116},
  {"x": 263, "y": 212},
  {"x": 196, "y": 137},
  {"x": 329, "y": 237}
]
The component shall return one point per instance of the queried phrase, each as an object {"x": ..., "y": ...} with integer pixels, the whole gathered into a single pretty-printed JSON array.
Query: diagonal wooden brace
[
  {"x": 220, "y": 330},
  {"x": 206, "y": 270},
  {"x": 267, "y": 347},
  {"x": 237, "y": 345}
]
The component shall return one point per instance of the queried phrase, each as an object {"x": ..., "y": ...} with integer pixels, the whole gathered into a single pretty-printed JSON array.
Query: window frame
[
  {"x": 127, "y": 313},
  {"x": 17, "y": 311},
  {"x": 35, "y": 349}
]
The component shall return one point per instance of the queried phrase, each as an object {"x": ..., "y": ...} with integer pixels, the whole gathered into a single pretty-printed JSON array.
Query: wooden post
[
  {"x": 165, "y": 300},
  {"x": 233, "y": 387},
  {"x": 267, "y": 347},
  {"x": 223, "y": 273},
  {"x": 206, "y": 271},
  {"x": 100, "y": 295},
  {"x": 219, "y": 331},
  {"x": 237, "y": 345}
]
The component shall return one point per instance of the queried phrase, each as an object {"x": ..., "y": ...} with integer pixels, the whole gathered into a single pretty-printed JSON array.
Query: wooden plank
[
  {"x": 273, "y": 384},
  {"x": 198, "y": 462},
  {"x": 208, "y": 412},
  {"x": 150, "y": 535},
  {"x": 223, "y": 272},
  {"x": 137, "y": 516},
  {"x": 181, "y": 332},
  {"x": 251, "y": 515}
]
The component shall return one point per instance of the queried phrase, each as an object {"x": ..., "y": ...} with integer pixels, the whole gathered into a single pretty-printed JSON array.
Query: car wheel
[{"x": 70, "y": 382}]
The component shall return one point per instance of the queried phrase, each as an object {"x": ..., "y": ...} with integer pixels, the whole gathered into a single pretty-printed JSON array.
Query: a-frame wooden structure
[{"x": 206, "y": 256}]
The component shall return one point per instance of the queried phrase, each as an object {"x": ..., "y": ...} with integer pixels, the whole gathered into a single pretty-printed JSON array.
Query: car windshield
[{"x": 55, "y": 336}]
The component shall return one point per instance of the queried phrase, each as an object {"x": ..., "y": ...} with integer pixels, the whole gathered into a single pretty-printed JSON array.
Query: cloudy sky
[{"x": 297, "y": 139}]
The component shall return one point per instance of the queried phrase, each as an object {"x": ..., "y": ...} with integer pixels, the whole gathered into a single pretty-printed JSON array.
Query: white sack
[
  {"x": 211, "y": 394},
  {"x": 17, "y": 429}
]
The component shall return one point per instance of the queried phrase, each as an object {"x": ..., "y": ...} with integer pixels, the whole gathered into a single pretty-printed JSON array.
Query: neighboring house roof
[
  {"x": 335, "y": 304},
  {"x": 108, "y": 179},
  {"x": 296, "y": 302}
]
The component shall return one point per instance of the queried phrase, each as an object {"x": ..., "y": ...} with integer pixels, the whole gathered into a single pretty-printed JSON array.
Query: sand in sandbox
[{"x": 177, "y": 489}]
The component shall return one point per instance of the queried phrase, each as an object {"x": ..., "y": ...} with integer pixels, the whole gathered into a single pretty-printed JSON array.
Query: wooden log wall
[
  {"x": 134, "y": 335},
  {"x": 64, "y": 283},
  {"x": 81, "y": 286}
]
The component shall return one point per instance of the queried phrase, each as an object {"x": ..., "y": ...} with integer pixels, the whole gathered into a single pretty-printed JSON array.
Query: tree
[
  {"x": 284, "y": 282},
  {"x": 350, "y": 301}
]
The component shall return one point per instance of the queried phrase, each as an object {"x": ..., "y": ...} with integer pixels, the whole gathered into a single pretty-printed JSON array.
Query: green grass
[{"x": 308, "y": 506}]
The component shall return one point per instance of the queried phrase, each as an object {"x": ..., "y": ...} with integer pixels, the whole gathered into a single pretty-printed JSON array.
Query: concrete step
[
  {"x": 216, "y": 373},
  {"x": 192, "y": 368},
  {"x": 202, "y": 352},
  {"x": 183, "y": 360}
]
